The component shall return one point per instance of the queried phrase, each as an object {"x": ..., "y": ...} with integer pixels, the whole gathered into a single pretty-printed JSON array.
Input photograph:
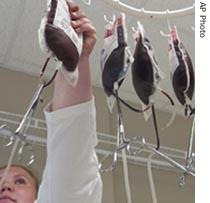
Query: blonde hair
[{"x": 30, "y": 171}]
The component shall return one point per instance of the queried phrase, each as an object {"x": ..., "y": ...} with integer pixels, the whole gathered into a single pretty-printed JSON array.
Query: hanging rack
[
  {"x": 87, "y": 2},
  {"x": 107, "y": 140},
  {"x": 151, "y": 179},
  {"x": 142, "y": 13},
  {"x": 125, "y": 144},
  {"x": 20, "y": 133},
  {"x": 108, "y": 20},
  {"x": 168, "y": 159},
  {"x": 190, "y": 155}
]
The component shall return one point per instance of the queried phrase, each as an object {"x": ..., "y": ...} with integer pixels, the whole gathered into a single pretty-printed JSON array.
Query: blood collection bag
[
  {"x": 116, "y": 58},
  {"x": 56, "y": 36},
  {"x": 146, "y": 74},
  {"x": 182, "y": 72}
]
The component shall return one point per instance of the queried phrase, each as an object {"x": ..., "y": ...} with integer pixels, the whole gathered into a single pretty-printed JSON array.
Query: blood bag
[
  {"x": 56, "y": 36},
  {"x": 116, "y": 58},
  {"x": 182, "y": 72},
  {"x": 146, "y": 74}
]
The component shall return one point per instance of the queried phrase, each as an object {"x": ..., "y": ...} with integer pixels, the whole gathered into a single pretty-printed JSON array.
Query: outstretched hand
[{"x": 83, "y": 25}]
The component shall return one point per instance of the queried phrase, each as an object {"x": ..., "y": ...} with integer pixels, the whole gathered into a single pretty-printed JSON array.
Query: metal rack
[
  {"x": 142, "y": 13},
  {"x": 105, "y": 145}
]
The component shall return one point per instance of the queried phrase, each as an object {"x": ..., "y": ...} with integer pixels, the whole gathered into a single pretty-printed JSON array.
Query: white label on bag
[
  {"x": 63, "y": 21},
  {"x": 110, "y": 43},
  {"x": 41, "y": 36},
  {"x": 157, "y": 72},
  {"x": 147, "y": 114},
  {"x": 173, "y": 60}
]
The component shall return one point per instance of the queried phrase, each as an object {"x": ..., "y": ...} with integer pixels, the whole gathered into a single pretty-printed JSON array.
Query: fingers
[
  {"x": 75, "y": 11},
  {"x": 72, "y": 6},
  {"x": 86, "y": 28},
  {"x": 82, "y": 25},
  {"x": 79, "y": 20},
  {"x": 77, "y": 23},
  {"x": 77, "y": 15}
]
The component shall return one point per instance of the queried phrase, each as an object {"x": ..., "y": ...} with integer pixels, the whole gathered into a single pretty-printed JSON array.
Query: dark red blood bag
[
  {"x": 57, "y": 36},
  {"x": 146, "y": 74},
  {"x": 182, "y": 72},
  {"x": 116, "y": 57}
]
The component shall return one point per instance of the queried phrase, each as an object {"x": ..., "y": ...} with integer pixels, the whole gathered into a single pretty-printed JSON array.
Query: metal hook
[
  {"x": 169, "y": 27},
  {"x": 7, "y": 133},
  {"x": 139, "y": 145},
  {"x": 134, "y": 29},
  {"x": 168, "y": 22},
  {"x": 111, "y": 166},
  {"x": 139, "y": 28},
  {"x": 87, "y": 2},
  {"x": 110, "y": 21},
  {"x": 111, "y": 159},
  {"x": 26, "y": 149},
  {"x": 182, "y": 181},
  {"x": 2, "y": 126},
  {"x": 164, "y": 34}
]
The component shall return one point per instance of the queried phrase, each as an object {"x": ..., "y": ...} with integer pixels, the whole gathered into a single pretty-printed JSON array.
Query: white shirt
[{"x": 71, "y": 173}]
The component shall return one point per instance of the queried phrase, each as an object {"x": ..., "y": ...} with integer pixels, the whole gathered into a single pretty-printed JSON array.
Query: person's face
[{"x": 18, "y": 187}]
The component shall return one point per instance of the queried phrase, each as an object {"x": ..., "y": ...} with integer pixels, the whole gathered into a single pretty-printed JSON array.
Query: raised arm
[
  {"x": 71, "y": 173},
  {"x": 64, "y": 94}
]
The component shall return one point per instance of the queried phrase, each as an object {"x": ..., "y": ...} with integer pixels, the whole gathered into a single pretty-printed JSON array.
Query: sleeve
[{"x": 71, "y": 173}]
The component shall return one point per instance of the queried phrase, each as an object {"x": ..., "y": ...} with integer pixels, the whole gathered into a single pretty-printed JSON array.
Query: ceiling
[{"x": 19, "y": 47}]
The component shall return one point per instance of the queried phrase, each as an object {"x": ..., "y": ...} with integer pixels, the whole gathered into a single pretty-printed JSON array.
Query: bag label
[{"x": 63, "y": 21}]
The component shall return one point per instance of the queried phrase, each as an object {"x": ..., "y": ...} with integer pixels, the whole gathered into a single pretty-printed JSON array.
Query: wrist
[{"x": 84, "y": 57}]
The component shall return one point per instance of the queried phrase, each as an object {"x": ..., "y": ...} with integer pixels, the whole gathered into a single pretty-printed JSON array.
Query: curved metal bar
[
  {"x": 190, "y": 156},
  {"x": 111, "y": 167},
  {"x": 30, "y": 109},
  {"x": 142, "y": 13},
  {"x": 7, "y": 133},
  {"x": 87, "y": 2},
  {"x": 110, "y": 21},
  {"x": 169, "y": 160},
  {"x": 26, "y": 148},
  {"x": 20, "y": 132}
]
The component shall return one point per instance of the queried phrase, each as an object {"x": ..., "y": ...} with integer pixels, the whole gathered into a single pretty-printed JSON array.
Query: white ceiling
[{"x": 19, "y": 48}]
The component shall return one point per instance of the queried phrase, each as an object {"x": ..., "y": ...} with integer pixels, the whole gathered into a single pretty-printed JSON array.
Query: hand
[{"x": 83, "y": 25}]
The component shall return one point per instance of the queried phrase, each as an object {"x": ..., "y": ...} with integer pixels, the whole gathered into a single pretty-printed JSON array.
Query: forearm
[{"x": 66, "y": 95}]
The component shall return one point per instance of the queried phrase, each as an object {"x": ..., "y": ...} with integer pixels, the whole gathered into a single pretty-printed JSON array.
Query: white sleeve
[{"x": 71, "y": 173}]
